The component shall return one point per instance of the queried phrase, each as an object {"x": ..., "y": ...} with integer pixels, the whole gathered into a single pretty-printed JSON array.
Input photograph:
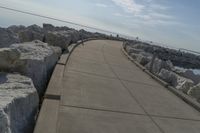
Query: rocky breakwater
[
  {"x": 18, "y": 103},
  {"x": 162, "y": 65},
  {"x": 19, "y": 95},
  {"x": 27, "y": 58},
  {"x": 36, "y": 60}
]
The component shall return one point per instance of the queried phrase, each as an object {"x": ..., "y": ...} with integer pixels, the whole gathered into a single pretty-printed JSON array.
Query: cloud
[
  {"x": 121, "y": 15},
  {"x": 150, "y": 12},
  {"x": 161, "y": 16},
  {"x": 39, "y": 8},
  {"x": 117, "y": 14},
  {"x": 129, "y": 6},
  {"x": 154, "y": 14},
  {"x": 101, "y": 5},
  {"x": 159, "y": 7}
]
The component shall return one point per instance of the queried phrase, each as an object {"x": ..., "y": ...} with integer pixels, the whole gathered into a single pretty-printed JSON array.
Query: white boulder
[
  {"x": 141, "y": 58},
  {"x": 74, "y": 35},
  {"x": 8, "y": 58},
  {"x": 19, "y": 102},
  {"x": 36, "y": 61},
  {"x": 136, "y": 51},
  {"x": 129, "y": 49},
  {"x": 31, "y": 33},
  {"x": 195, "y": 91},
  {"x": 60, "y": 39},
  {"x": 7, "y": 38},
  {"x": 175, "y": 80},
  {"x": 158, "y": 64},
  {"x": 187, "y": 73}
]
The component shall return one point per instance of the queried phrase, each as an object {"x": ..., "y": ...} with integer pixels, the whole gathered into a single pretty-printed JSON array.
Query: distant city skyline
[{"x": 172, "y": 22}]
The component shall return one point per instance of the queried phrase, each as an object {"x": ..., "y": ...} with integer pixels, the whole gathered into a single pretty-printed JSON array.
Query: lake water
[{"x": 195, "y": 71}]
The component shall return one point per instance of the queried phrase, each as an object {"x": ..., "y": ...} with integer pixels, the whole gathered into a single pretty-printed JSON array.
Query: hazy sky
[{"x": 173, "y": 22}]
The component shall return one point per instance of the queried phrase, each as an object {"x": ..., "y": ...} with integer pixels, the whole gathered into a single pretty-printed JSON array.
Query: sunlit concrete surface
[{"x": 103, "y": 92}]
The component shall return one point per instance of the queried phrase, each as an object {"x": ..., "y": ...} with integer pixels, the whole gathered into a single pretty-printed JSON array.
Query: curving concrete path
[{"x": 103, "y": 92}]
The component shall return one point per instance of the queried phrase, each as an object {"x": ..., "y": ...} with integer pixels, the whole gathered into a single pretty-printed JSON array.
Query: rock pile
[
  {"x": 31, "y": 33},
  {"x": 160, "y": 61},
  {"x": 33, "y": 59},
  {"x": 60, "y": 39},
  {"x": 175, "y": 80},
  {"x": 18, "y": 103},
  {"x": 36, "y": 61},
  {"x": 19, "y": 96},
  {"x": 195, "y": 92},
  {"x": 27, "y": 58},
  {"x": 7, "y": 37}
]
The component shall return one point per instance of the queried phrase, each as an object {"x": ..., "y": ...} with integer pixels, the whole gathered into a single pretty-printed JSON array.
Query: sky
[{"x": 175, "y": 23}]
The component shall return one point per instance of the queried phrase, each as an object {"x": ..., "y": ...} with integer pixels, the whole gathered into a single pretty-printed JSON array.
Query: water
[{"x": 195, "y": 71}]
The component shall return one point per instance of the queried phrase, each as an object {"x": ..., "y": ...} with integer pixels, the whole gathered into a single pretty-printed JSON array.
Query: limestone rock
[
  {"x": 31, "y": 33},
  {"x": 168, "y": 76},
  {"x": 56, "y": 50},
  {"x": 139, "y": 46},
  {"x": 85, "y": 34},
  {"x": 8, "y": 58},
  {"x": 60, "y": 39},
  {"x": 184, "y": 84},
  {"x": 36, "y": 61},
  {"x": 177, "y": 57},
  {"x": 48, "y": 27},
  {"x": 74, "y": 35},
  {"x": 158, "y": 64},
  {"x": 129, "y": 49},
  {"x": 18, "y": 103},
  {"x": 136, "y": 51},
  {"x": 143, "y": 60},
  {"x": 7, "y": 38},
  {"x": 134, "y": 56},
  {"x": 175, "y": 80},
  {"x": 195, "y": 91},
  {"x": 16, "y": 29},
  {"x": 190, "y": 75}
]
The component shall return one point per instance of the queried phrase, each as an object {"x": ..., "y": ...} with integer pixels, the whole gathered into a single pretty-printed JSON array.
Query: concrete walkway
[{"x": 103, "y": 92}]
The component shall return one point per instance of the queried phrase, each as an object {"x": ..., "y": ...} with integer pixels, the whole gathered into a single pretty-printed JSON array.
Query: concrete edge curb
[{"x": 178, "y": 93}]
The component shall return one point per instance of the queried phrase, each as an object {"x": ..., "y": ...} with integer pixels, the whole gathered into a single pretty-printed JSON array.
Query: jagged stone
[
  {"x": 195, "y": 91},
  {"x": 31, "y": 33},
  {"x": 60, "y": 39},
  {"x": 19, "y": 102},
  {"x": 143, "y": 60},
  {"x": 56, "y": 50},
  {"x": 175, "y": 80},
  {"x": 16, "y": 29},
  {"x": 7, "y": 38},
  {"x": 136, "y": 51},
  {"x": 189, "y": 74},
  {"x": 36, "y": 61},
  {"x": 129, "y": 49},
  {"x": 85, "y": 34},
  {"x": 8, "y": 58},
  {"x": 158, "y": 65},
  {"x": 177, "y": 57},
  {"x": 74, "y": 35},
  {"x": 48, "y": 27}
]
